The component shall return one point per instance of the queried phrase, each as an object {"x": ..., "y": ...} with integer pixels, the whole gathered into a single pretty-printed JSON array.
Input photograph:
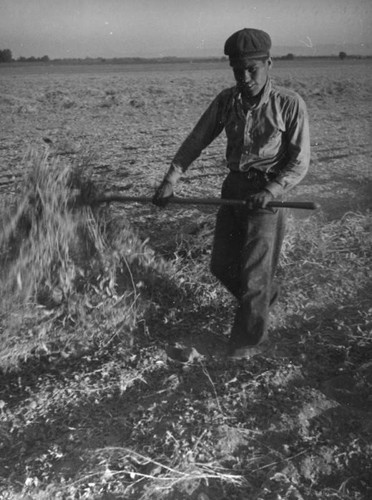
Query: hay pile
[
  {"x": 41, "y": 233},
  {"x": 66, "y": 271}
]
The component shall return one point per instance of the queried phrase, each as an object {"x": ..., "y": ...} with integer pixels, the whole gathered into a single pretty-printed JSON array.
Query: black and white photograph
[{"x": 185, "y": 250}]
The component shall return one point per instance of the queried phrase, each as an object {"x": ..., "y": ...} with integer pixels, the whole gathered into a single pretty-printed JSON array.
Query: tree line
[{"x": 6, "y": 56}]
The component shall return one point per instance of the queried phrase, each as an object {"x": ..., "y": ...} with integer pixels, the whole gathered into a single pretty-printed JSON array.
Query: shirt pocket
[
  {"x": 234, "y": 130},
  {"x": 269, "y": 142}
]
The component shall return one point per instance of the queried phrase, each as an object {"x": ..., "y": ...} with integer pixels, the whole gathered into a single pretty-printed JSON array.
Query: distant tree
[
  {"x": 6, "y": 56},
  {"x": 342, "y": 55},
  {"x": 33, "y": 59},
  {"x": 289, "y": 57}
]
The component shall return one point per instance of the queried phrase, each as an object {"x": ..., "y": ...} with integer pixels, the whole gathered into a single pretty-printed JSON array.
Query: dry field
[
  {"x": 90, "y": 404},
  {"x": 135, "y": 117}
]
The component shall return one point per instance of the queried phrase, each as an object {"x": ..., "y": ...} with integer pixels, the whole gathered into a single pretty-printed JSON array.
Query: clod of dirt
[{"x": 183, "y": 354}]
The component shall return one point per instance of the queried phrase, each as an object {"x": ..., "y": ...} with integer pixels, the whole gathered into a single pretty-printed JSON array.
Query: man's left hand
[{"x": 259, "y": 200}]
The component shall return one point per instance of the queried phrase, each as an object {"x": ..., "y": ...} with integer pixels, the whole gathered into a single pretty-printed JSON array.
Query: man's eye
[{"x": 240, "y": 73}]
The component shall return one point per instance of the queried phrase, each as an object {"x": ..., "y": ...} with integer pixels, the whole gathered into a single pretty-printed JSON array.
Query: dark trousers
[{"x": 245, "y": 255}]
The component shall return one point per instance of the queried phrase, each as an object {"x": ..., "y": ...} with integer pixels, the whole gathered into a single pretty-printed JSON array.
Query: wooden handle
[
  {"x": 305, "y": 205},
  {"x": 112, "y": 197}
]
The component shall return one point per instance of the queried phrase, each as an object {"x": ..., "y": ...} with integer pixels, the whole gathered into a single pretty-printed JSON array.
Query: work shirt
[{"x": 272, "y": 136}]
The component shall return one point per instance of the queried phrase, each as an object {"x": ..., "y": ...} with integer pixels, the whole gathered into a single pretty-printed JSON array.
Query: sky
[{"x": 197, "y": 28}]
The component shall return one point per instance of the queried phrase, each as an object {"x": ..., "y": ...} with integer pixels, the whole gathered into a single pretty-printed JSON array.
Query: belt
[{"x": 252, "y": 173}]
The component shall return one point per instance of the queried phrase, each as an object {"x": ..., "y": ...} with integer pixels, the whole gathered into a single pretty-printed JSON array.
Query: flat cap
[{"x": 247, "y": 43}]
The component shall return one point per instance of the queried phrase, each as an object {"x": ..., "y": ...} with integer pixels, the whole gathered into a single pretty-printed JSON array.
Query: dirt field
[
  {"x": 134, "y": 118},
  {"x": 296, "y": 425}
]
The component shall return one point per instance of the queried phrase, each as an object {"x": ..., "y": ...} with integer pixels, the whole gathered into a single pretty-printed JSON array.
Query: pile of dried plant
[{"x": 65, "y": 267}]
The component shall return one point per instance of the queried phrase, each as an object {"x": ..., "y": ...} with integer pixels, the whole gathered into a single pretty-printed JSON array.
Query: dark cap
[{"x": 247, "y": 43}]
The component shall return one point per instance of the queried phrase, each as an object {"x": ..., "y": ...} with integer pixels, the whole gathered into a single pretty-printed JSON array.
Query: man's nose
[{"x": 246, "y": 76}]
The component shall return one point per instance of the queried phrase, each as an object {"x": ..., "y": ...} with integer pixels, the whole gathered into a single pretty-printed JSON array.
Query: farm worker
[{"x": 267, "y": 154}]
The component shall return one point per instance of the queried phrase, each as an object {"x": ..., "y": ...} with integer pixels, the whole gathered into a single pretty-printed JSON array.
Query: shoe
[{"x": 245, "y": 352}]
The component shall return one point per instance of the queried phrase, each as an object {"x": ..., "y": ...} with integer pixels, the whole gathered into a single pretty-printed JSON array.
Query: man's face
[{"x": 251, "y": 76}]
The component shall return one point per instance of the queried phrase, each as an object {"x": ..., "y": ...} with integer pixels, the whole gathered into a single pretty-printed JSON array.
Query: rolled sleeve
[{"x": 209, "y": 126}]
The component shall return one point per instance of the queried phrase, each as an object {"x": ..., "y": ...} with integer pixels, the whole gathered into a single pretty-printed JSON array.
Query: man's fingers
[
  {"x": 259, "y": 200},
  {"x": 163, "y": 194}
]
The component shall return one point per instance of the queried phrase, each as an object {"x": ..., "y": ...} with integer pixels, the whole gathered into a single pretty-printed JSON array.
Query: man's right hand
[{"x": 163, "y": 194}]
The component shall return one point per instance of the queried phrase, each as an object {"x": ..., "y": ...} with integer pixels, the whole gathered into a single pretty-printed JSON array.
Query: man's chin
[{"x": 251, "y": 92}]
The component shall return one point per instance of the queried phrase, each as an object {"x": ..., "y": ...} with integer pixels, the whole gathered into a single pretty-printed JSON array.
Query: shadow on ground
[{"x": 302, "y": 400}]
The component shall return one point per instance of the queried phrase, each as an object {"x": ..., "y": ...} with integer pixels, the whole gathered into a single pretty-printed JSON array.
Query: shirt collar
[{"x": 264, "y": 96}]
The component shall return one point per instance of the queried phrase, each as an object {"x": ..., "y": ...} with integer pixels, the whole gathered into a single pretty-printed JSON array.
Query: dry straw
[
  {"x": 43, "y": 239},
  {"x": 57, "y": 254}
]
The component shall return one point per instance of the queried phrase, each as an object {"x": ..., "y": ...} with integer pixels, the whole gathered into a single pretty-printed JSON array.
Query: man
[{"x": 267, "y": 153}]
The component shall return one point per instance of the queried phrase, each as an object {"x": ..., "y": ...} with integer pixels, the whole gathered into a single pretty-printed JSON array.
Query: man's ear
[{"x": 270, "y": 62}]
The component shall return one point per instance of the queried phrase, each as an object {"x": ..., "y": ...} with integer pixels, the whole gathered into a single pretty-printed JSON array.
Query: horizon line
[{"x": 289, "y": 56}]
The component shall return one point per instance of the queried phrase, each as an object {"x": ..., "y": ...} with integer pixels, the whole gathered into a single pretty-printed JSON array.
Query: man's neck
[{"x": 250, "y": 102}]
